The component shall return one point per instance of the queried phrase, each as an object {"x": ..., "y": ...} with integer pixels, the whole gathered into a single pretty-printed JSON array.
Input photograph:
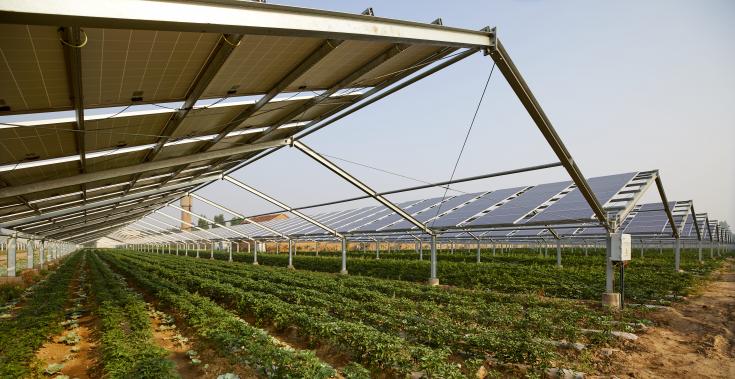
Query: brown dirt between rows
[
  {"x": 82, "y": 363},
  {"x": 695, "y": 339}
]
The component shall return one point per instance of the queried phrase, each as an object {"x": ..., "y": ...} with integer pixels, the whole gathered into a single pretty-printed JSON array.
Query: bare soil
[
  {"x": 81, "y": 363},
  {"x": 694, "y": 339}
]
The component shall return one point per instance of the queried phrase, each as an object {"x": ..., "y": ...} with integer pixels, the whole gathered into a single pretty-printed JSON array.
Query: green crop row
[
  {"x": 379, "y": 350},
  {"x": 651, "y": 279},
  {"x": 126, "y": 337},
  {"x": 37, "y": 320},
  {"x": 228, "y": 333},
  {"x": 468, "y": 323}
]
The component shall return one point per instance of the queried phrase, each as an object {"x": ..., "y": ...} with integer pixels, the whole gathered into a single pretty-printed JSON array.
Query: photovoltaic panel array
[
  {"x": 573, "y": 206},
  {"x": 529, "y": 200},
  {"x": 475, "y": 207}
]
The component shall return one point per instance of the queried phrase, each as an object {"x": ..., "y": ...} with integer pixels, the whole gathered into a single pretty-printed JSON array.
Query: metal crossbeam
[
  {"x": 360, "y": 185},
  {"x": 192, "y": 225},
  {"x": 236, "y": 214},
  {"x": 225, "y": 46},
  {"x": 667, "y": 209},
  {"x": 521, "y": 89},
  {"x": 280, "y": 204},
  {"x": 228, "y": 16},
  {"x": 225, "y": 227},
  {"x": 45, "y": 185},
  {"x": 103, "y": 203}
]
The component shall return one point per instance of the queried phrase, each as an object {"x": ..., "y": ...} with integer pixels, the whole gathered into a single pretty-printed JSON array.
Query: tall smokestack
[{"x": 186, "y": 217}]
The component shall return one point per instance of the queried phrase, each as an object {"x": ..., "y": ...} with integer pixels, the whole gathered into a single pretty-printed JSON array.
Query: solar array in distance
[
  {"x": 475, "y": 207},
  {"x": 521, "y": 205},
  {"x": 428, "y": 211},
  {"x": 573, "y": 206},
  {"x": 393, "y": 217},
  {"x": 649, "y": 219},
  {"x": 375, "y": 222}
]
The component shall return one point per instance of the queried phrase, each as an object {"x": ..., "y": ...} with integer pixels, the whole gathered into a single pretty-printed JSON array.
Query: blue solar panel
[
  {"x": 649, "y": 219},
  {"x": 342, "y": 221},
  {"x": 521, "y": 205},
  {"x": 573, "y": 206},
  {"x": 475, "y": 207},
  {"x": 427, "y": 211},
  {"x": 390, "y": 216}
]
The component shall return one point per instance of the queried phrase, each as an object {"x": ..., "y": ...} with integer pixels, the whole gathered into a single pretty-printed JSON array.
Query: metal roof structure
[
  {"x": 111, "y": 111},
  {"x": 527, "y": 210}
]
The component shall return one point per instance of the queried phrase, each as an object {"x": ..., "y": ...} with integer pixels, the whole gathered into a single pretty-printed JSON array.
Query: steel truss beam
[
  {"x": 360, "y": 185},
  {"x": 96, "y": 225},
  {"x": 225, "y": 227},
  {"x": 358, "y": 103},
  {"x": 667, "y": 209},
  {"x": 73, "y": 43},
  {"x": 236, "y": 214},
  {"x": 228, "y": 16},
  {"x": 280, "y": 204},
  {"x": 95, "y": 231},
  {"x": 157, "y": 233},
  {"x": 219, "y": 237},
  {"x": 89, "y": 219},
  {"x": 312, "y": 60},
  {"x": 225, "y": 46},
  {"x": 98, "y": 204},
  {"x": 131, "y": 170},
  {"x": 193, "y": 236},
  {"x": 518, "y": 84}
]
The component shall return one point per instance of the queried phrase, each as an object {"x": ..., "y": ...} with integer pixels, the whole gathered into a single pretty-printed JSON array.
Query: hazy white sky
[{"x": 629, "y": 86}]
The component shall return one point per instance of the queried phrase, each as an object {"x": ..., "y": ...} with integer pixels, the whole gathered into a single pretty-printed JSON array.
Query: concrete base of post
[
  {"x": 291, "y": 267},
  {"x": 611, "y": 300},
  {"x": 343, "y": 272},
  {"x": 433, "y": 282},
  {"x": 257, "y": 264}
]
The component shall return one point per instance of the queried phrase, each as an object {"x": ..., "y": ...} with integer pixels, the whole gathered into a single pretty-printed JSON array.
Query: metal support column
[
  {"x": 343, "y": 271},
  {"x": 677, "y": 254},
  {"x": 479, "y": 252},
  {"x": 255, "y": 254},
  {"x": 609, "y": 276},
  {"x": 699, "y": 247},
  {"x": 42, "y": 255},
  {"x": 29, "y": 254},
  {"x": 12, "y": 248},
  {"x": 558, "y": 253},
  {"x": 433, "y": 280},
  {"x": 290, "y": 254}
]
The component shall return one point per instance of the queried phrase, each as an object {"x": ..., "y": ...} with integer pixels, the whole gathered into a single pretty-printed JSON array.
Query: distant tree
[
  {"x": 219, "y": 219},
  {"x": 236, "y": 221},
  {"x": 202, "y": 223}
]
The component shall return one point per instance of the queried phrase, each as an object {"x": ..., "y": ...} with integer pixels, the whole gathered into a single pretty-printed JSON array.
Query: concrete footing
[
  {"x": 433, "y": 282},
  {"x": 343, "y": 272},
  {"x": 256, "y": 264},
  {"x": 611, "y": 300},
  {"x": 291, "y": 267}
]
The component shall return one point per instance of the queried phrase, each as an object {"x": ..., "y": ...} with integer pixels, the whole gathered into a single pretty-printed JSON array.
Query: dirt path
[
  {"x": 695, "y": 339},
  {"x": 75, "y": 346}
]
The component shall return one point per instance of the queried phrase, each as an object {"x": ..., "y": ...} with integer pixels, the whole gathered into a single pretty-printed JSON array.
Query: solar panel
[
  {"x": 648, "y": 219},
  {"x": 428, "y": 211},
  {"x": 412, "y": 206},
  {"x": 513, "y": 210},
  {"x": 475, "y": 207},
  {"x": 573, "y": 206},
  {"x": 378, "y": 222}
]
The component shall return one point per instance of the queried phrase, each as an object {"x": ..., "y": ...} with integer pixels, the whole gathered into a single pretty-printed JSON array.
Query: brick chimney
[{"x": 186, "y": 217}]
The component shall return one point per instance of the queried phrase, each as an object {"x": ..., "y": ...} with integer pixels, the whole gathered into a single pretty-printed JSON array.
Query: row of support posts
[{"x": 48, "y": 251}]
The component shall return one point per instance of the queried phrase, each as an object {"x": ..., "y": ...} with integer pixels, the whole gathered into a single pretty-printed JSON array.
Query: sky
[{"x": 628, "y": 85}]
